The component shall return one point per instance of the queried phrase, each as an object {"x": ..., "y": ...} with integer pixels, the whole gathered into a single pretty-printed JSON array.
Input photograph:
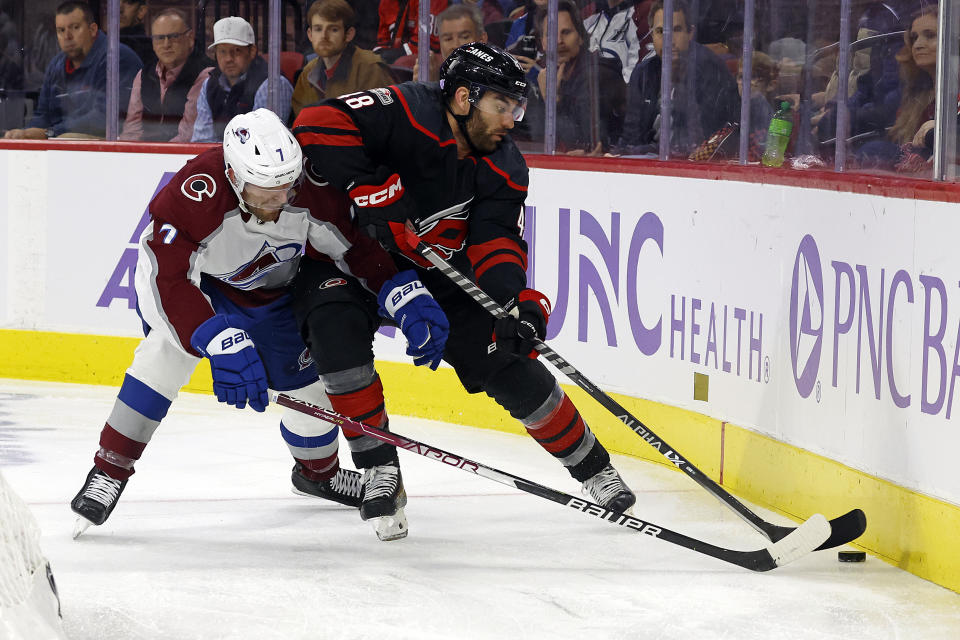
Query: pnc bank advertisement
[{"x": 827, "y": 320}]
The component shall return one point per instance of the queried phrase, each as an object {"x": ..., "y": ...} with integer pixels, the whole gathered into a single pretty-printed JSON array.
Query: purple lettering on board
[
  {"x": 694, "y": 330},
  {"x": 563, "y": 277},
  {"x": 876, "y": 344},
  {"x": 649, "y": 227},
  {"x": 711, "y": 338},
  {"x": 756, "y": 344},
  {"x": 840, "y": 270},
  {"x": 120, "y": 284},
  {"x": 740, "y": 315},
  {"x": 676, "y": 326},
  {"x": 590, "y": 278},
  {"x": 934, "y": 342},
  {"x": 900, "y": 277}
]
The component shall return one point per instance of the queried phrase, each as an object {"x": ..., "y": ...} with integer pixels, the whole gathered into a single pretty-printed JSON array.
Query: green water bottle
[{"x": 778, "y": 135}]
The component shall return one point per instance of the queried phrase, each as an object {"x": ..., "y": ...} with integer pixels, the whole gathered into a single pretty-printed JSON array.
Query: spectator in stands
[
  {"x": 397, "y": 35},
  {"x": 489, "y": 9},
  {"x": 133, "y": 32},
  {"x": 763, "y": 88},
  {"x": 239, "y": 83},
  {"x": 522, "y": 26},
  {"x": 456, "y": 25},
  {"x": 73, "y": 96},
  {"x": 340, "y": 66},
  {"x": 613, "y": 33},
  {"x": 705, "y": 96},
  {"x": 591, "y": 95},
  {"x": 906, "y": 148},
  {"x": 163, "y": 103},
  {"x": 11, "y": 67},
  {"x": 367, "y": 21},
  {"x": 874, "y": 85}
]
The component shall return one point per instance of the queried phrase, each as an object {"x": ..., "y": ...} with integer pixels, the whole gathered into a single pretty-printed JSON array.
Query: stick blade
[
  {"x": 845, "y": 528},
  {"x": 804, "y": 539}
]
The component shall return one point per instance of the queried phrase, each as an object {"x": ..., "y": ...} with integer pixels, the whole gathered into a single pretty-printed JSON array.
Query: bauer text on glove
[
  {"x": 406, "y": 301},
  {"x": 238, "y": 373}
]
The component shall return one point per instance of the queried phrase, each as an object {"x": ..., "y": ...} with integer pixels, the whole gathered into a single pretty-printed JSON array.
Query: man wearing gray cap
[{"x": 238, "y": 84}]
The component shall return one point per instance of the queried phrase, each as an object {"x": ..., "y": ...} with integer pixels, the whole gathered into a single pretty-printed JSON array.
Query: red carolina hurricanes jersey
[
  {"x": 197, "y": 228},
  {"x": 474, "y": 203}
]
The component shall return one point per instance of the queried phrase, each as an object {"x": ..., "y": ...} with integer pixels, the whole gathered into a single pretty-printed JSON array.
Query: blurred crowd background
[{"x": 852, "y": 85}]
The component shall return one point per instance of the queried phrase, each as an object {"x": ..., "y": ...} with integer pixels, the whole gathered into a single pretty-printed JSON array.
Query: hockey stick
[
  {"x": 843, "y": 529},
  {"x": 800, "y": 541}
]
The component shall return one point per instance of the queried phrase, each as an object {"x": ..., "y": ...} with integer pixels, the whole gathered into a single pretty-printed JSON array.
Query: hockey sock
[
  {"x": 136, "y": 414},
  {"x": 365, "y": 405},
  {"x": 557, "y": 426},
  {"x": 319, "y": 470},
  {"x": 117, "y": 453}
]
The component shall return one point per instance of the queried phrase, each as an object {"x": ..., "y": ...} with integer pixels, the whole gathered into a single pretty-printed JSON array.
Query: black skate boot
[
  {"x": 96, "y": 500},
  {"x": 608, "y": 489},
  {"x": 344, "y": 487},
  {"x": 383, "y": 501}
]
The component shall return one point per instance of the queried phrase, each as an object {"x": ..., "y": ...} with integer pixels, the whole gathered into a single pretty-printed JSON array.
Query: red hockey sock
[
  {"x": 117, "y": 453},
  {"x": 320, "y": 469},
  {"x": 561, "y": 431}
]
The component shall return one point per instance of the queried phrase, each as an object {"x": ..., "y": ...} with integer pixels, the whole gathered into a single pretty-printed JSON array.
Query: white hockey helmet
[{"x": 261, "y": 151}]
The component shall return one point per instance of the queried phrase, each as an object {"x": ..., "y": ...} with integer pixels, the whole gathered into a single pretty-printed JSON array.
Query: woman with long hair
[{"x": 904, "y": 149}]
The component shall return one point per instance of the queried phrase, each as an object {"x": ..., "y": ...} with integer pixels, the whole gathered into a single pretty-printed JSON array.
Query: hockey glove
[
  {"x": 405, "y": 300},
  {"x": 378, "y": 200},
  {"x": 238, "y": 373},
  {"x": 524, "y": 326}
]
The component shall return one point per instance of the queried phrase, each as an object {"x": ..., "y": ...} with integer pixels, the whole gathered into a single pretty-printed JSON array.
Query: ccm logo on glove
[{"x": 378, "y": 195}]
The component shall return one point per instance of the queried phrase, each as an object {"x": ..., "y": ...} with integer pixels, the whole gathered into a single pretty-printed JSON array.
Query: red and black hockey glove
[
  {"x": 379, "y": 200},
  {"x": 524, "y": 326}
]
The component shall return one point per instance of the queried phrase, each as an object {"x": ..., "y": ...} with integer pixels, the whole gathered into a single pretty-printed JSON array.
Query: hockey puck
[{"x": 851, "y": 556}]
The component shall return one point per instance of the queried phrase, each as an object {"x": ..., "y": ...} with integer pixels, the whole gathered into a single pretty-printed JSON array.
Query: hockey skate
[
  {"x": 344, "y": 487},
  {"x": 383, "y": 501},
  {"x": 609, "y": 490},
  {"x": 96, "y": 500}
]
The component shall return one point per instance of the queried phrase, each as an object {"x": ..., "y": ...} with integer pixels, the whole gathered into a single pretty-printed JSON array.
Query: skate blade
[
  {"x": 81, "y": 525},
  {"x": 390, "y": 528}
]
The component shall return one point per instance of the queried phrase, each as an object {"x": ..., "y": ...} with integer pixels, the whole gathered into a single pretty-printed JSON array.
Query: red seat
[{"x": 290, "y": 63}]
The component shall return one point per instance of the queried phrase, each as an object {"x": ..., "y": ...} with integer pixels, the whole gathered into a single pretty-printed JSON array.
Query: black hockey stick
[
  {"x": 801, "y": 540},
  {"x": 843, "y": 529}
]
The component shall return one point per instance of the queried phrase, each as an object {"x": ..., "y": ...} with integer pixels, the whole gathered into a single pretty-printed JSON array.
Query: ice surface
[{"x": 209, "y": 542}]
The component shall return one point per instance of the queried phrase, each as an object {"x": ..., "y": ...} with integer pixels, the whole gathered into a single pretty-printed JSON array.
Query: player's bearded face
[
  {"x": 492, "y": 120},
  {"x": 266, "y": 202}
]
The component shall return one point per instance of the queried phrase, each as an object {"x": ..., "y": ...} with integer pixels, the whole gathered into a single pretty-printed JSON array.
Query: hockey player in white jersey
[{"x": 213, "y": 275}]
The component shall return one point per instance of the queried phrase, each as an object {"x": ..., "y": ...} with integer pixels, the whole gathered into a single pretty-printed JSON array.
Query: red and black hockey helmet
[{"x": 481, "y": 66}]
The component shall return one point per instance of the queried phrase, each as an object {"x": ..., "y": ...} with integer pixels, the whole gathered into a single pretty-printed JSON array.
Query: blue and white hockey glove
[
  {"x": 405, "y": 300},
  {"x": 524, "y": 325},
  {"x": 238, "y": 373}
]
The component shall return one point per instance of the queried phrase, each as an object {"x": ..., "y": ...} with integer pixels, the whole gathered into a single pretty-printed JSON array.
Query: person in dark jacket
[
  {"x": 705, "y": 95},
  {"x": 591, "y": 96},
  {"x": 133, "y": 32},
  {"x": 239, "y": 83},
  {"x": 73, "y": 97},
  {"x": 163, "y": 103}
]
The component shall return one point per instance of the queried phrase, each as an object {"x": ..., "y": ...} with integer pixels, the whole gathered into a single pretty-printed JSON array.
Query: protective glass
[{"x": 492, "y": 101}]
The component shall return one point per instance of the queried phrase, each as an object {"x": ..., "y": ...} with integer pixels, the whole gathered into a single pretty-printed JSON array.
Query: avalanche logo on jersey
[
  {"x": 266, "y": 260},
  {"x": 197, "y": 186},
  {"x": 445, "y": 231}
]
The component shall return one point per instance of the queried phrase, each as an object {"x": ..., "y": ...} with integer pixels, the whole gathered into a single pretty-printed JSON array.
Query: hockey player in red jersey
[
  {"x": 212, "y": 280},
  {"x": 441, "y": 157}
]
